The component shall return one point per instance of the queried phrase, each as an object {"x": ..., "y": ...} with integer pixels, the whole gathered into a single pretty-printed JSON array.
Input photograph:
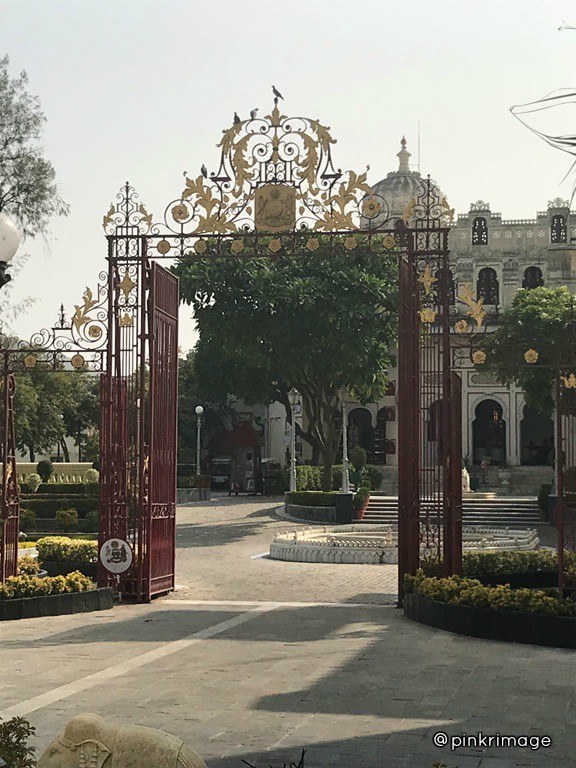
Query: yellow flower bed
[
  {"x": 459, "y": 590},
  {"x": 31, "y": 586}
]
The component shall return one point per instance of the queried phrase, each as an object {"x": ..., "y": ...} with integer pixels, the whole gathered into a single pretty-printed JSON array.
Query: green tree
[
  {"x": 541, "y": 320},
  {"x": 190, "y": 395},
  {"x": 318, "y": 321},
  {"x": 52, "y": 405},
  {"x": 28, "y": 192}
]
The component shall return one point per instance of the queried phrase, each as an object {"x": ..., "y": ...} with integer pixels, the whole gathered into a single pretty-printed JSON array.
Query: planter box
[
  {"x": 61, "y": 569},
  {"x": 510, "y": 626},
  {"x": 312, "y": 514},
  {"x": 56, "y": 605}
]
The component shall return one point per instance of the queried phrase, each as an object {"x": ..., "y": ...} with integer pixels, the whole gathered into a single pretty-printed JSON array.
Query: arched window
[
  {"x": 487, "y": 286},
  {"x": 479, "y": 231},
  {"x": 558, "y": 229},
  {"x": 451, "y": 283},
  {"x": 532, "y": 278}
]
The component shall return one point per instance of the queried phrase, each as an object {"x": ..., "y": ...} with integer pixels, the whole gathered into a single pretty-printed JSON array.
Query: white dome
[{"x": 398, "y": 188}]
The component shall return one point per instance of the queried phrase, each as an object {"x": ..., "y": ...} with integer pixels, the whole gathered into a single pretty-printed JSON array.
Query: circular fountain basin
[{"x": 378, "y": 544}]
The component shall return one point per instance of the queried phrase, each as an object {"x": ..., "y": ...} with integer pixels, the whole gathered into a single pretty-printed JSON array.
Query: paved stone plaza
[{"x": 253, "y": 659}]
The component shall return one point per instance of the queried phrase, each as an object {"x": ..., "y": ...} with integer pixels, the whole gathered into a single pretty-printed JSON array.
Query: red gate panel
[{"x": 161, "y": 501}]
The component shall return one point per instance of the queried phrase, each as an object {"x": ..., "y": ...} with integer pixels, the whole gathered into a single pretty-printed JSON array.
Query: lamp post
[
  {"x": 199, "y": 411},
  {"x": 9, "y": 241},
  {"x": 293, "y": 399},
  {"x": 343, "y": 395}
]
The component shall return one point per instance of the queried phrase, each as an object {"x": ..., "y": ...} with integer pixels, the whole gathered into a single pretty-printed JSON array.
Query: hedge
[
  {"x": 309, "y": 478},
  {"x": 313, "y": 498},
  {"x": 458, "y": 590},
  {"x": 61, "y": 549},
  {"x": 47, "y": 507},
  {"x": 64, "y": 489},
  {"x": 482, "y": 565}
]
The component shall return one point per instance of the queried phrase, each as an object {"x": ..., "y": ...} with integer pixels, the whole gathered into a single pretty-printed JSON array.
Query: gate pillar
[{"x": 10, "y": 501}]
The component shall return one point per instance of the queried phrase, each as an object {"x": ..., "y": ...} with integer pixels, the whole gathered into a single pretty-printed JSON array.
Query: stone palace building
[{"x": 497, "y": 256}]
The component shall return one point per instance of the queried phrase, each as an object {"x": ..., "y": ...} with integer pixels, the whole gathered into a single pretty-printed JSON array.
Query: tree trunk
[
  {"x": 32, "y": 454},
  {"x": 65, "y": 451},
  {"x": 328, "y": 457}
]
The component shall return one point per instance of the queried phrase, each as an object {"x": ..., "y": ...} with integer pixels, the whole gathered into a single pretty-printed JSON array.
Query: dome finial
[{"x": 403, "y": 156}]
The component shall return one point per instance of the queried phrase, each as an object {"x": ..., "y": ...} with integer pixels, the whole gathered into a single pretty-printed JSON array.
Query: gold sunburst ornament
[
  {"x": 388, "y": 241},
  {"x": 350, "y": 243},
  {"x": 531, "y": 356},
  {"x": 313, "y": 244},
  {"x": 478, "y": 357},
  {"x": 200, "y": 246},
  {"x": 237, "y": 246},
  {"x": 461, "y": 326},
  {"x": 569, "y": 381},
  {"x": 30, "y": 361}
]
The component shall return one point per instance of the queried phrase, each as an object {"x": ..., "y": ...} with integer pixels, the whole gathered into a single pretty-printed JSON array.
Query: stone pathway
[{"x": 254, "y": 659}]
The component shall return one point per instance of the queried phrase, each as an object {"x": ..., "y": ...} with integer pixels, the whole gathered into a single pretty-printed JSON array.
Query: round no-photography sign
[{"x": 116, "y": 555}]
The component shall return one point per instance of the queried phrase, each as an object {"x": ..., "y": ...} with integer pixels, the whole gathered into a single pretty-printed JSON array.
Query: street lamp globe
[
  {"x": 199, "y": 410},
  {"x": 10, "y": 239}
]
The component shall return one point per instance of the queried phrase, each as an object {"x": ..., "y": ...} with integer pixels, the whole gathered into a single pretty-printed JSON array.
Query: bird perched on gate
[
  {"x": 236, "y": 119},
  {"x": 204, "y": 171},
  {"x": 277, "y": 94},
  {"x": 253, "y": 113}
]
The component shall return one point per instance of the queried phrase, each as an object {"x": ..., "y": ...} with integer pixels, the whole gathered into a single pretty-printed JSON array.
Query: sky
[{"x": 140, "y": 91}]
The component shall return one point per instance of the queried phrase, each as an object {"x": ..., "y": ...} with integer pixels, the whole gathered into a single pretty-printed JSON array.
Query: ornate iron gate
[{"x": 139, "y": 408}]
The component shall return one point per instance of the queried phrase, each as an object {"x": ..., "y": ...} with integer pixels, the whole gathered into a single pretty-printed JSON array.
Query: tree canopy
[
  {"x": 28, "y": 191},
  {"x": 52, "y": 405},
  {"x": 542, "y": 321},
  {"x": 317, "y": 320}
]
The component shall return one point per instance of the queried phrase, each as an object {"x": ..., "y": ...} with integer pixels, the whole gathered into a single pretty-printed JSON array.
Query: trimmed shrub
[
  {"x": 31, "y": 586},
  {"x": 91, "y": 476},
  {"x": 27, "y": 519},
  {"x": 33, "y": 482},
  {"x": 61, "y": 489},
  {"x": 45, "y": 469},
  {"x": 358, "y": 457},
  {"x": 67, "y": 519},
  {"x": 313, "y": 498},
  {"x": 47, "y": 507},
  {"x": 483, "y": 565},
  {"x": 28, "y": 566},
  {"x": 90, "y": 523},
  {"x": 372, "y": 476},
  {"x": 62, "y": 549},
  {"x": 361, "y": 498}
]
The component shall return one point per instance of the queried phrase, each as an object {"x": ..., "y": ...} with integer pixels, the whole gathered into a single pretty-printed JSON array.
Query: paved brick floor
[{"x": 253, "y": 659}]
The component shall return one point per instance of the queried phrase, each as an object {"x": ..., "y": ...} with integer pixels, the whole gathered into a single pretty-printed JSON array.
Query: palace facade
[{"x": 497, "y": 257}]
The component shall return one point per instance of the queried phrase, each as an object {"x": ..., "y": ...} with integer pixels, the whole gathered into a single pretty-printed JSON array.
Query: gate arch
[{"x": 275, "y": 188}]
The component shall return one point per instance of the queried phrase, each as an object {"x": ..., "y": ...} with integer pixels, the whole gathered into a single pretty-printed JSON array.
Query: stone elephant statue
[{"x": 88, "y": 741}]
